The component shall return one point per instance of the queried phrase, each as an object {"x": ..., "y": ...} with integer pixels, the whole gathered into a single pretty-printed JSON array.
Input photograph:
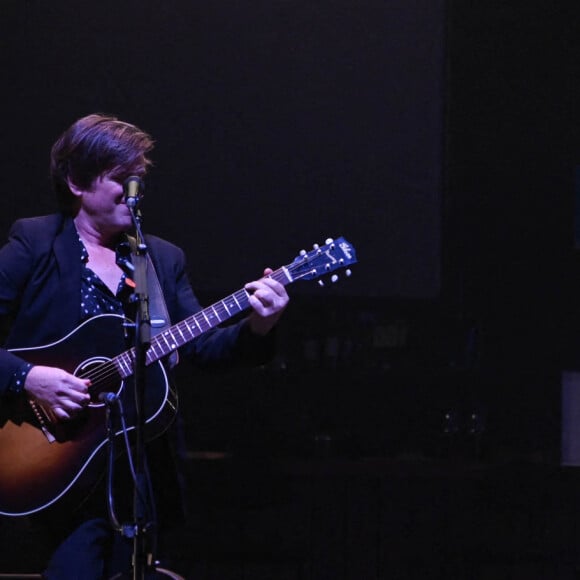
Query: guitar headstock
[{"x": 333, "y": 255}]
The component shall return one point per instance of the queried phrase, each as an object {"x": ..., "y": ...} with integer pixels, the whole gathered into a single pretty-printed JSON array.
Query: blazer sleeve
[
  {"x": 224, "y": 347},
  {"x": 16, "y": 260}
]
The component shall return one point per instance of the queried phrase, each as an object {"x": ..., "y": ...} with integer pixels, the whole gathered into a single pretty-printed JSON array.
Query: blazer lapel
[{"x": 67, "y": 253}]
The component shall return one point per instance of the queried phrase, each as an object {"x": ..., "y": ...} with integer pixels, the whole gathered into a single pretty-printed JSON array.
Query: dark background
[
  {"x": 410, "y": 426},
  {"x": 277, "y": 125}
]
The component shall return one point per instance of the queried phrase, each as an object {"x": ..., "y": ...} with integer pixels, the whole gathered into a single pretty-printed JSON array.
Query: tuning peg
[
  {"x": 334, "y": 278},
  {"x": 348, "y": 272},
  {"x": 329, "y": 241},
  {"x": 303, "y": 253},
  {"x": 316, "y": 247},
  {"x": 321, "y": 283}
]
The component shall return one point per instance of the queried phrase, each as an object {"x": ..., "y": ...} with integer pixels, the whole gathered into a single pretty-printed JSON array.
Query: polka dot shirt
[{"x": 96, "y": 298}]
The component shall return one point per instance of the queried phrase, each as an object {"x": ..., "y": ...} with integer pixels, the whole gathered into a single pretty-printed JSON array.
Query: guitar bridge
[{"x": 42, "y": 418}]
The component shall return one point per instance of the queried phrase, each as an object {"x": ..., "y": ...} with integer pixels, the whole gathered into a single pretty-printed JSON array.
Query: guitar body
[{"x": 40, "y": 461}]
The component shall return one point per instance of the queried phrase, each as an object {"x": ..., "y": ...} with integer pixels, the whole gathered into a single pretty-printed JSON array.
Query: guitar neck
[
  {"x": 185, "y": 331},
  {"x": 335, "y": 254}
]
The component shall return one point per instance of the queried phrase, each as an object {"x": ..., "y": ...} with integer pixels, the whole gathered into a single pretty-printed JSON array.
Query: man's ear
[{"x": 76, "y": 191}]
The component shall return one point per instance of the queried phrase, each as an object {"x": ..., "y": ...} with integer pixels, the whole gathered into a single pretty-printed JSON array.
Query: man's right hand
[{"x": 61, "y": 394}]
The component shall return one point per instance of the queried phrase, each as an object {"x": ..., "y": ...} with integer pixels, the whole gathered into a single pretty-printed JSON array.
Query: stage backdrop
[{"x": 278, "y": 124}]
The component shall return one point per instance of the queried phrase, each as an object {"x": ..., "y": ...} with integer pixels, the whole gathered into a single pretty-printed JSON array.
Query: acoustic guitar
[{"x": 42, "y": 462}]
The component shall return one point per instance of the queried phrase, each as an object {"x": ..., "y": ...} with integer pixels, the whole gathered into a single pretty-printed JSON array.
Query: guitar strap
[
  {"x": 158, "y": 313},
  {"x": 158, "y": 309}
]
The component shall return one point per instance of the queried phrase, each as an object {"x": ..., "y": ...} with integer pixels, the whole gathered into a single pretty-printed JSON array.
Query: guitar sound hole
[{"x": 104, "y": 378}]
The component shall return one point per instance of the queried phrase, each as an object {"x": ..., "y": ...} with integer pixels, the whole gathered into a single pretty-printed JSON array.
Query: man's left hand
[{"x": 268, "y": 299}]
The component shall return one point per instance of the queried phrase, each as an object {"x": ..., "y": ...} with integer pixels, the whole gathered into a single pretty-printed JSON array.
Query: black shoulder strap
[{"x": 158, "y": 313}]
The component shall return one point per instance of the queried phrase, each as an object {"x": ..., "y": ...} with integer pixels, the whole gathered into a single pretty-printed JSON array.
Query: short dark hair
[{"x": 94, "y": 145}]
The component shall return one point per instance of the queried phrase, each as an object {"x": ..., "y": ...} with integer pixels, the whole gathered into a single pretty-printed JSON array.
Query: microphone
[{"x": 132, "y": 188}]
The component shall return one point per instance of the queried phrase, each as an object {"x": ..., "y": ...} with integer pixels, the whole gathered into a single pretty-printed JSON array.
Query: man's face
[{"x": 104, "y": 204}]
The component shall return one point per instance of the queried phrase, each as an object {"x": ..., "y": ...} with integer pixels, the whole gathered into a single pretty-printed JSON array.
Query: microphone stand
[{"x": 142, "y": 560}]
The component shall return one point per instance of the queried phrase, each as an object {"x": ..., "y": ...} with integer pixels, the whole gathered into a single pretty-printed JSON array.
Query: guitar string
[
  {"x": 106, "y": 371},
  {"x": 103, "y": 373}
]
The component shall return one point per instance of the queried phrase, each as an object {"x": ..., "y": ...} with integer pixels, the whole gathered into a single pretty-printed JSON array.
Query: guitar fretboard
[{"x": 185, "y": 331}]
